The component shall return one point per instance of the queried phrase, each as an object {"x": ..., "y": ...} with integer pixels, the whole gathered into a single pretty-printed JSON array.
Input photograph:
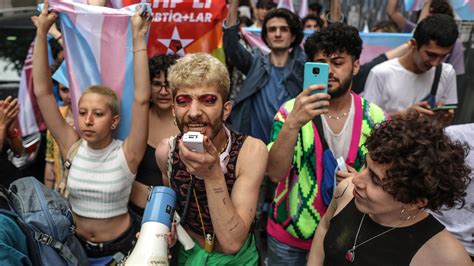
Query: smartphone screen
[{"x": 316, "y": 73}]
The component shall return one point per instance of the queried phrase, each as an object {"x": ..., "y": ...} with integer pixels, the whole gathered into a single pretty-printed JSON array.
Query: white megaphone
[{"x": 152, "y": 245}]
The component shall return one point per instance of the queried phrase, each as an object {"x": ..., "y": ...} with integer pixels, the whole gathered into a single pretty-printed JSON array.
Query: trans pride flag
[
  {"x": 373, "y": 43},
  {"x": 464, "y": 9},
  {"x": 29, "y": 118},
  {"x": 413, "y": 5},
  {"x": 98, "y": 50},
  {"x": 288, "y": 4}
]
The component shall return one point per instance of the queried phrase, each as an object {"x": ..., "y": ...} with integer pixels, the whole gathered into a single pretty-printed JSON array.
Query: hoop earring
[{"x": 112, "y": 127}]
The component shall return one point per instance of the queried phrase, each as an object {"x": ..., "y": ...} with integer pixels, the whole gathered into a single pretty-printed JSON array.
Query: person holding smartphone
[{"x": 339, "y": 118}]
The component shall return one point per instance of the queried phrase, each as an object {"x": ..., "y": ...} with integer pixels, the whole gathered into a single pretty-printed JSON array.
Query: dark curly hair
[
  {"x": 440, "y": 28},
  {"x": 337, "y": 37},
  {"x": 423, "y": 162},
  {"x": 161, "y": 63},
  {"x": 292, "y": 20},
  {"x": 441, "y": 7}
]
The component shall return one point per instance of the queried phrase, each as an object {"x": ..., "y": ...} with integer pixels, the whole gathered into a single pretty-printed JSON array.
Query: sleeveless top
[
  {"x": 100, "y": 181},
  {"x": 180, "y": 179},
  {"x": 298, "y": 204},
  {"x": 148, "y": 172},
  {"x": 396, "y": 247}
]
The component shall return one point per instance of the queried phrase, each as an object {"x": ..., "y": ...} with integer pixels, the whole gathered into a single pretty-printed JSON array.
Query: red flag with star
[{"x": 186, "y": 26}]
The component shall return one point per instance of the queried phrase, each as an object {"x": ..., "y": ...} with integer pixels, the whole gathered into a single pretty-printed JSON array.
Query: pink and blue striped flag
[
  {"x": 373, "y": 43},
  {"x": 413, "y": 5},
  {"x": 29, "y": 118},
  {"x": 98, "y": 50},
  {"x": 288, "y": 4},
  {"x": 303, "y": 12},
  {"x": 464, "y": 9}
]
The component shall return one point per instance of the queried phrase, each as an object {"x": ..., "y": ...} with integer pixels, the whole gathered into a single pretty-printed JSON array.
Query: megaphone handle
[{"x": 183, "y": 237}]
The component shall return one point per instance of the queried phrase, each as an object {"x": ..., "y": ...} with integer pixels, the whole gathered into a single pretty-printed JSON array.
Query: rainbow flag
[
  {"x": 373, "y": 43},
  {"x": 98, "y": 50}
]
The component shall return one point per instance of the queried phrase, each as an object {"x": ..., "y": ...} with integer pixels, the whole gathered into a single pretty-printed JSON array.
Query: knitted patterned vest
[{"x": 298, "y": 207}]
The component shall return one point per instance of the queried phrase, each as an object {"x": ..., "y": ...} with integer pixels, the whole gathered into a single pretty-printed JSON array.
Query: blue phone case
[{"x": 316, "y": 73}]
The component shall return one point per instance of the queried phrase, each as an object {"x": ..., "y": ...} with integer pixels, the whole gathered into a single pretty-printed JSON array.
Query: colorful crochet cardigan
[{"x": 297, "y": 206}]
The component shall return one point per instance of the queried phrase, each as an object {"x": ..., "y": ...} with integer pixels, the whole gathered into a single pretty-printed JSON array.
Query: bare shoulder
[
  {"x": 253, "y": 150},
  {"x": 442, "y": 249},
  {"x": 343, "y": 195},
  {"x": 252, "y": 158}
]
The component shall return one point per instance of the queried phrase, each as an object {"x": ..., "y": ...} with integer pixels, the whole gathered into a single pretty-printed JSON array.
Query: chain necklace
[
  {"x": 350, "y": 254},
  {"x": 336, "y": 117},
  {"x": 208, "y": 238}
]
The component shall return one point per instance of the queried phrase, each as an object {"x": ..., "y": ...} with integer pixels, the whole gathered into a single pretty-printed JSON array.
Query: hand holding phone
[
  {"x": 445, "y": 108},
  {"x": 194, "y": 141},
  {"x": 316, "y": 74}
]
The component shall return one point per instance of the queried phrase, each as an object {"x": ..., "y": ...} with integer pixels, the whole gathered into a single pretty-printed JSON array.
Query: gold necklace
[
  {"x": 336, "y": 117},
  {"x": 350, "y": 254},
  {"x": 208, "y": 238}
]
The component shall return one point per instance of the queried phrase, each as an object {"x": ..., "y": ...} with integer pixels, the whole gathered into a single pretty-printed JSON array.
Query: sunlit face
[
  {"x": 370, "y": 198},
  {"x": 64, "y": 94},
  {"x": 161, "y": 94},
  {"x": 96, "y": 120},
  {"x": 279, "y": 36},
  {"x": 342, "y": 68},
  {"x": 311, "y": 24},
  {"x": 200, "y": 109},
  {"x": 429, "y": 55}
]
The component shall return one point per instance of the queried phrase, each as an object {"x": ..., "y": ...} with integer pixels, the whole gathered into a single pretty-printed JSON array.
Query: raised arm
[
  {"x": 233, "y": 17},
  {"x": 335, "y": 12},
  {"x": 234, "y": 51},
  {"x": 394, "y": 14},
  {"x": 135, "y": 144},
  {"x": 425, "y": 11},
  {"x": 305, "y": 108},
  {"x": 64, "y": 134}
]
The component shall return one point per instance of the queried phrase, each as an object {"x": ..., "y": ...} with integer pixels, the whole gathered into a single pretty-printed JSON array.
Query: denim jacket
[{"x": 256, "y": 66}]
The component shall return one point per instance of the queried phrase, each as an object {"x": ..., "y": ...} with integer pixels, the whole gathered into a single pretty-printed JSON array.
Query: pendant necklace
[
  {"x": 208, "y": 238},
  {"x": 350, "y": 254}
]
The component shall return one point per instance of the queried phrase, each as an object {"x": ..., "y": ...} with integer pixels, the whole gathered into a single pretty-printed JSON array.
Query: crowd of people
[{"x": 363, "y": 170}]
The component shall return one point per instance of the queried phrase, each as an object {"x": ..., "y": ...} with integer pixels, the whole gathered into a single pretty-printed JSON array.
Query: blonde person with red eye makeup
[
  {"x": 380, "y": 216},
  {"x": 223, "y": 181},
  {"x": 102, "y": 172}
]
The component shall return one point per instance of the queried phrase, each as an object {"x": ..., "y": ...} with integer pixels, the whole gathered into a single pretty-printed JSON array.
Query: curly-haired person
[{"x": 379, "y": 217}]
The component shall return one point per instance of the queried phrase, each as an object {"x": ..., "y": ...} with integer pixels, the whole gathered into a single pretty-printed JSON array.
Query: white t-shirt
[
  {"x": 340, "y": 143},
  {"x": 394, "y": 88},
  {"x": 460, "y": 222}
]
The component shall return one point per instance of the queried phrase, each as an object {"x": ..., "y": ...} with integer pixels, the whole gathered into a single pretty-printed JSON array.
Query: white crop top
[{"x": 100, "y": 181}]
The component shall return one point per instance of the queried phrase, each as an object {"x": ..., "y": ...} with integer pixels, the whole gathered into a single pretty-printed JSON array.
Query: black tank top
[
  {"x": 180, "y": 179},
  {"x": 396, "y": 247},
  {"x": 148, "y": 171}
]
